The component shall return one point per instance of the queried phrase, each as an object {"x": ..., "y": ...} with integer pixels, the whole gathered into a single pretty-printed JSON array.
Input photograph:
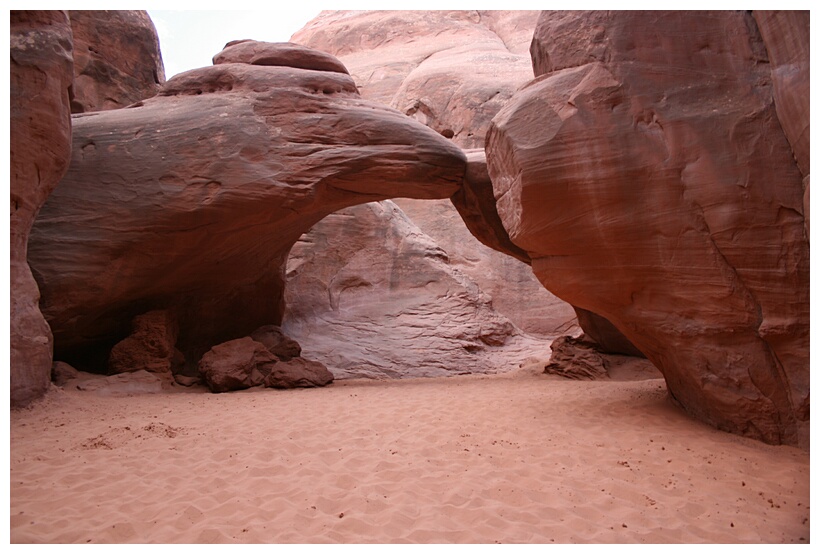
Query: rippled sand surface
[{"x": 511, "y": 458}]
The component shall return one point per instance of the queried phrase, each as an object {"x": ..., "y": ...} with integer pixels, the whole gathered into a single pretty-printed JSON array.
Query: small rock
[{"x": 61, "y": 373}]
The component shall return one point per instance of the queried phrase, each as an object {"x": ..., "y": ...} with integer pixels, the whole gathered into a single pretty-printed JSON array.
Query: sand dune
[{"x": 511, "y": 458}]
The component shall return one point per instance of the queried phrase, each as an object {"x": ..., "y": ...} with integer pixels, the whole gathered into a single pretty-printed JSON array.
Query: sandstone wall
[
  {"x": 117, "y": 59},
  {"x": 646, "y": 173},
  {"x": 40, "y": 141}
]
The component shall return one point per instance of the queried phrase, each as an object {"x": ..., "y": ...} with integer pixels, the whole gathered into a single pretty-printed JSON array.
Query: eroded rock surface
[
  {"x": 370, "y": 295},
  {"x": 581, "y": 358},
  {"x": 149, "y": 347},
  {"x": 786, "y": 36},
  {"x": 452, "y": 71},
  {"x": 191, "y": 200},
  {"x": 40, "y": 141},
  {"x": 665, "y": 198},
  {"x": 117, "y": 59}
]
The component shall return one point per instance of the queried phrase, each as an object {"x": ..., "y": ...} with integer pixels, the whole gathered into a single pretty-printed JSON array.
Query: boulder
[
  {"x": 296, "y": 373},
  {"x": 192, "y": 199},
  {"x": 149, "y": 347},
  {"x": 277, "y": 343},
  {"x": 117, "y": 59},
  {"x": 582, "y": 358},
  {"x": 62, "y": 373},
  {"x": 576, "y": 358},
  {"x": 41, "y": 75},
  {"x": 235, "y": 365},
  {"x": 647, "y": 176}
]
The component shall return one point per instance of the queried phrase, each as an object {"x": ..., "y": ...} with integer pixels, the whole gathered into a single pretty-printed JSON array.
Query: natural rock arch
[{"x": 192, "y": 199}]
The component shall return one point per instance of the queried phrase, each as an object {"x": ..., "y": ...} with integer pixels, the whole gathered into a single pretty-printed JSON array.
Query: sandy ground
[{"x": 512, "y": 458}]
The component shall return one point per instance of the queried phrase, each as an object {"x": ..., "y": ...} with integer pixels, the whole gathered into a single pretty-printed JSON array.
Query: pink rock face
[
  {"x": 149, "y": 347},
  {"x": 116, "y": 59},
  {"x": 370, "y": 295},
  {"x": 191, "y": 200},
  {"x": 452, "y": 71},
  {"x": 646, "y": 174},
  {"x": 40, "y": 140}
]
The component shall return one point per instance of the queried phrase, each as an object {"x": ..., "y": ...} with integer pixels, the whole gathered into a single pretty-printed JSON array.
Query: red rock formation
[
  {"x": 40, "y": 125},
  {"x": 277, "y": 343},
  {"x": 191, "y": 200},
  {"x": 607, "y": 337},
  {"x": 298, "y": 373},
  {"x": 786, "y": 36},
  {"x": 581, "y": 358},
  {"x": 236, "y": 364},
  {"x": 646, "y": 174},
  {"x": 149, "y": 347},
  {"x": 243, "y": 363},
  {"x": 452, "y": 71},
  {"x": 282, "y": 53},
  {"x": 117, "y": 59},
  {"x": 62, "y": 373},
  {"x": 370, "y": 295}
]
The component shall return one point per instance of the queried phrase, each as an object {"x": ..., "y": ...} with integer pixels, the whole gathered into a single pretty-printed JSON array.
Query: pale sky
[{"x": 189, "y": 39}]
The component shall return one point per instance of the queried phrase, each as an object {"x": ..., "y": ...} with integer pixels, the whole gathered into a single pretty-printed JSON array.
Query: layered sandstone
[
  {"x": 191, "y": 200},
  {"x": 648, "y": 177},
  {"x": 786, "y": 36},
  {"x": 452, "y": 71},
  {"x": 117, "y": 59},
  {"x": 40, "y": 141},
  {"x": 370, "y": 295}
]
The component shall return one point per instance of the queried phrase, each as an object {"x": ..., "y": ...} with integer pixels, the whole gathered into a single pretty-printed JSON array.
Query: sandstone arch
[{"x": 192, "y": 199}]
